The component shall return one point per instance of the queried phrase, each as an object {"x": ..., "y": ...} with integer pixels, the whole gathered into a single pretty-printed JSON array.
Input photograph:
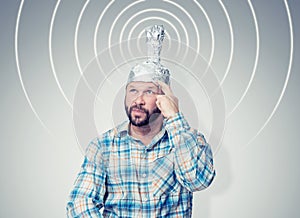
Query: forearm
[{"x": 193, "y": 157}]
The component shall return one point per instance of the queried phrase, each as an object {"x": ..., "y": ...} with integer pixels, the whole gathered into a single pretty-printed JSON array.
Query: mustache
[{"x": 139, "y": 107}]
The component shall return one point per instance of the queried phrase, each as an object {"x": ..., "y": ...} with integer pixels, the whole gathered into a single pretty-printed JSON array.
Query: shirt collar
[{"x": 123, "y": 130}]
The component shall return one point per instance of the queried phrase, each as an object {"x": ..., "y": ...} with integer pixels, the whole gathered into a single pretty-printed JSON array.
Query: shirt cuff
[{"x": 176, "y": 123}]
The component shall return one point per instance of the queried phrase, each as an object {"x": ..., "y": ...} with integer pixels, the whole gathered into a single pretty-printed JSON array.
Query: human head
[{"x": 140, "y": 103}]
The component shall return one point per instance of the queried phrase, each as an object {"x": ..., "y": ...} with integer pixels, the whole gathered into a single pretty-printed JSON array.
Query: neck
[{"x": 146, "y": 133}]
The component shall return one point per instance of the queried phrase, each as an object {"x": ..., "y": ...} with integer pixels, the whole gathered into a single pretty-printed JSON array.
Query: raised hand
[{"x": 167, "y": 102}]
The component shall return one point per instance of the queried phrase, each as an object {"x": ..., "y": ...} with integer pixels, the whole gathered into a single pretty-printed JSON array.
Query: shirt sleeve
[
  {"x": 193, "y": 156},
  {"x": 87, "y": 197}
]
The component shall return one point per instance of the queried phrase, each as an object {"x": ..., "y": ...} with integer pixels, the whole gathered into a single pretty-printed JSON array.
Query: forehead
[{"x": 142, "y": 85}]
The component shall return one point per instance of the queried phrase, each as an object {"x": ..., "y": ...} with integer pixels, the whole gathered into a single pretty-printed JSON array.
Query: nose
[{"x": 140, "y": 99}]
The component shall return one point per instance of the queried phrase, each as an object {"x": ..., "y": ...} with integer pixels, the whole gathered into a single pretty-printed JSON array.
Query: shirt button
[{"x": 144, "y": 175}]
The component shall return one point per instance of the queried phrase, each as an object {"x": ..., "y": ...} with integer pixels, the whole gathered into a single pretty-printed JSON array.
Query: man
[{"x": 151, "y": 165}]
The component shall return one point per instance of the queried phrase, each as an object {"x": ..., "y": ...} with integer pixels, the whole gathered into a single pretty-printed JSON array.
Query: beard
[{"x": 138, "y": 120}]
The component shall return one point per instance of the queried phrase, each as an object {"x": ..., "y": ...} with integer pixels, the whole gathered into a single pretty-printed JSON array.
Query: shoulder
[
  {"x": 99, "y": 148},
  {"x": 105, "y": 139}
]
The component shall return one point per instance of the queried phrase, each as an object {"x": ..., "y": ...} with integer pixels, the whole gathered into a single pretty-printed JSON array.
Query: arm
[
  {"x": 86, "y": 198},
  {"x": 193, "y": 157}
]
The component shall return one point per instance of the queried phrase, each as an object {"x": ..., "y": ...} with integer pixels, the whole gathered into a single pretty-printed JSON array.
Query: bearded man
[{"x": 150, "y": 165}]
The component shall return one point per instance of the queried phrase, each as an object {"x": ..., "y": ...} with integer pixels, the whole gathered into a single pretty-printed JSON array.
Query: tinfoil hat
[{"x": 151, "y": 70}]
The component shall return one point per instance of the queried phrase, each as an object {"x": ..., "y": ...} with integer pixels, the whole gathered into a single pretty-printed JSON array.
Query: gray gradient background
[{"x": 42, "y": 137}]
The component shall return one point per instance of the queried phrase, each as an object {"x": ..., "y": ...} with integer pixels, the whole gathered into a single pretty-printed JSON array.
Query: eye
[
  {"x": 133, "y": 91},
  {"x": 149, "y": 92}
]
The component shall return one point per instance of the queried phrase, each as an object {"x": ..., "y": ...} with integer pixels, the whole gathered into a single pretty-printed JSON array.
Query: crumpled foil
[{"x": 151, "y": 70}]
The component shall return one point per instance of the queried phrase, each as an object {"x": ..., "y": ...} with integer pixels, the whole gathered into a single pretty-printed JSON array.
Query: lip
[{"x": 138, "y": 111}]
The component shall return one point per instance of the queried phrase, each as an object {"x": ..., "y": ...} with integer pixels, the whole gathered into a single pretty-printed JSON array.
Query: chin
[{"x": 140, "y": 124}]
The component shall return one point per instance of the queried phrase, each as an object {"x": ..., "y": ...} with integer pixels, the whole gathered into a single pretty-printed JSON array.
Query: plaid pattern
[{"x": 129, "y": 179}]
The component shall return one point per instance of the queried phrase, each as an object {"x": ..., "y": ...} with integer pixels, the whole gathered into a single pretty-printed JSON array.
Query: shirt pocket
[{"x": 163, "y": 178}]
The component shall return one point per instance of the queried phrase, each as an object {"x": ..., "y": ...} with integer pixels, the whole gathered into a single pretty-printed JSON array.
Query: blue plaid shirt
[{"x": 129, "y": 179}]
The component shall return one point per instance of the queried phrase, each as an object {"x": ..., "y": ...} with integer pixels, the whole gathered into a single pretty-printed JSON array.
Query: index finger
[{"x": 165, "y": 88}]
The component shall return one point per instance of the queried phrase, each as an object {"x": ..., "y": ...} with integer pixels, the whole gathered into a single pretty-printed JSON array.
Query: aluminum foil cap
[{"x": 151, "y": 70}]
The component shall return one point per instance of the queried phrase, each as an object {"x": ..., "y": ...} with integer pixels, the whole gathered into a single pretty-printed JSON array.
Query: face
[{"x": 140, "y": 103}]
